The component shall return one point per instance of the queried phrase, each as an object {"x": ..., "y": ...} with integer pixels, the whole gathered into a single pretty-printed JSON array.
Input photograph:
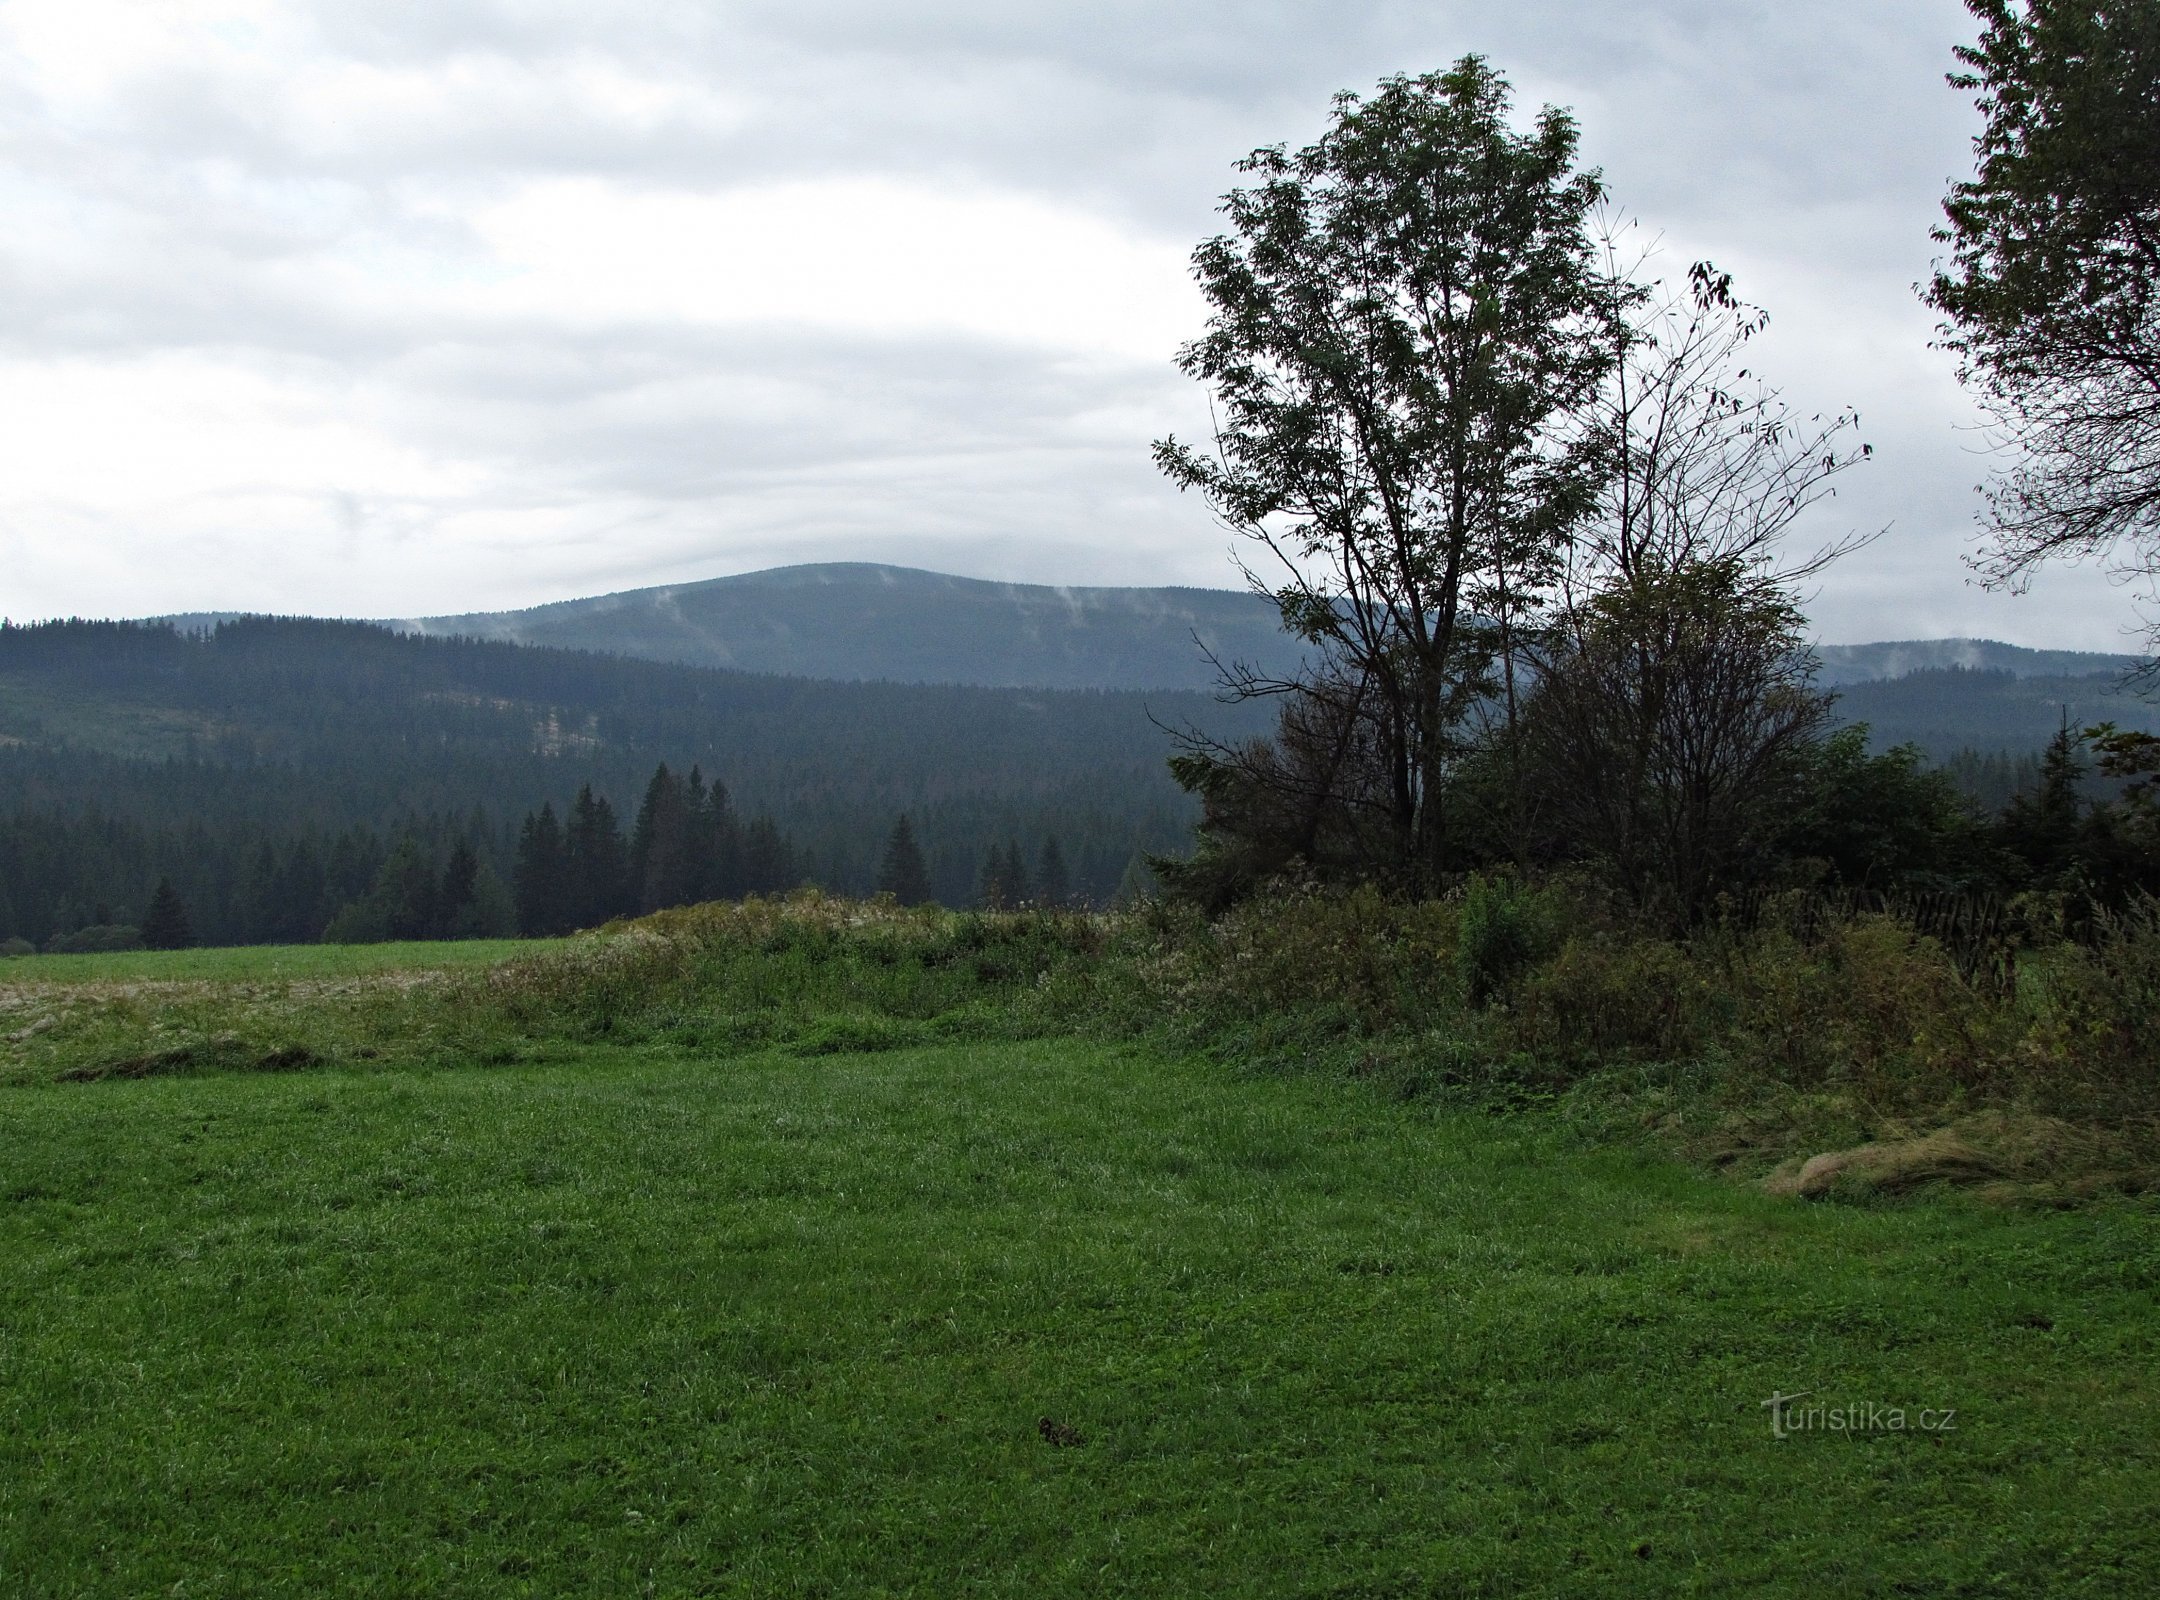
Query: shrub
[
  {"x": 1369, "y": 963},
  {"x": 1503, "y": 930},
  {"x": 2092, "y": 1010},
  {"x": 1605, "y": 998},
  {"x": 94, "y": 940}
]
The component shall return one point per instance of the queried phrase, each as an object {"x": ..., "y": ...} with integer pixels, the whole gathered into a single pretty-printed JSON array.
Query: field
[
  {"x": 263, "y": 963},
  {"x": 1012, "y": 1315}
]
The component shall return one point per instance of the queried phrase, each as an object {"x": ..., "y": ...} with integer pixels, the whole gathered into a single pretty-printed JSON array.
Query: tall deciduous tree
[
  {"x": 1675, "y": 704},
  {"x": 1406, "y": 323},
  {"x": 2049, "y": 296}
]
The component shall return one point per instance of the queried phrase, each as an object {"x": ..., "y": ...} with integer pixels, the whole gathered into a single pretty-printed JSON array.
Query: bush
[
  {"x": 17, "y": 946},
  {"x": 1364, "y": 962},
  {"x": 1503, "y": 930},
  {"x": 1605, "y": 998},
  {"x": 2092, "y": 1010},
  {"x": 94, "y": 940},
  {"x": 1532, "y": 988},
  {"x": 361, "y": 921},
  {"x": 771, "y": 971},
  {"x": 1506, "y": 993}
]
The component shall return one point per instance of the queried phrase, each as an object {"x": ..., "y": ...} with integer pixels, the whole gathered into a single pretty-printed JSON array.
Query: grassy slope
[{"x": 635, "y": 1323}]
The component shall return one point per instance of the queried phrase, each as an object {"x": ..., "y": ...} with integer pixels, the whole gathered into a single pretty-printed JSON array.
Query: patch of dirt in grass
[{"x": 1059, "y": 1435}]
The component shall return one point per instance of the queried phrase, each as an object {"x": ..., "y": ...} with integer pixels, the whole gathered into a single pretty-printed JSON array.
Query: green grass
[
  {"x": 638, "y": 1321},
  {"x": 264, "y": 962}
]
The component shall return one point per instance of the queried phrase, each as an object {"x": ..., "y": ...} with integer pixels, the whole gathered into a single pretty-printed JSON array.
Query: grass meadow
[
  {"x": 264, "y": 963},
  {"x": 800, "y": 1276}
]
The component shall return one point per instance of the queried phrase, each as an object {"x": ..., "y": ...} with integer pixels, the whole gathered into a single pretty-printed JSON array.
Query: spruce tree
[
  {"x": 902, "y": 874},
  {"x": 261, "y": 903},
  {"x": 454, "y": 899},
  {"x": 664, "y": 853},
  {"x": 404, "y": 900},
  {"x": 540, "y": 876},
  {"x": 2042, "y": 826},
  {"x": 1053, "y": 882},
  {"x": 598, "y": 863},
  {"x": 297, "y": 893},
  {"x": 165, "y": 921},
  {"x": 701, "y": 860},
  {"x": 1004, "y": 885},
  {"x": 720, "y": 846},
  {"x": 768, "y": 859}
]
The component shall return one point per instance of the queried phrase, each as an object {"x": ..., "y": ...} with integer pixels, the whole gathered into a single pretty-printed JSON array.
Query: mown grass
[
  {"x": 269, "y": 963},
  {"x": 667, "y": 1320},
  {"x": 1761, "y": 1051},
  {"x": 827, "y": 1248},
  {"x": 813, "y": 975}
]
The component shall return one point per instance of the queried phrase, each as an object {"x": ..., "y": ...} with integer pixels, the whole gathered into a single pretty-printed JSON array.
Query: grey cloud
[
  {"x": 677, "y": 416},
  {"x": 1806, "y": 145}
]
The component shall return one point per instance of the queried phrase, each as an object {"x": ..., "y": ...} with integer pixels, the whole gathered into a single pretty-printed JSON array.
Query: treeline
[
  {"x": 63, "y": 872},
  {"x": 272, "y": 770},
  {"x": 1948, "y": 710},
  {"x": 89, "y": 881},
  {"x": 1006, "y": 881},
  {"x": 203, "y": 746},
  {"x": 686, "y": 846}
]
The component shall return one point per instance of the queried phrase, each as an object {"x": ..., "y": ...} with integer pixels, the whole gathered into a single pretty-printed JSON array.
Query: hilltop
[{"x": 858, "y": 620}]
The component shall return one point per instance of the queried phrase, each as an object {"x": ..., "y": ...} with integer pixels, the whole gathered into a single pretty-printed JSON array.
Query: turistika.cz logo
[{"x": 1788, "y": 1417}]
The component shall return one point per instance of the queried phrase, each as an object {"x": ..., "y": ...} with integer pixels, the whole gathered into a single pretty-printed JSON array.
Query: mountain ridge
[{"x": 869, "y": 621}]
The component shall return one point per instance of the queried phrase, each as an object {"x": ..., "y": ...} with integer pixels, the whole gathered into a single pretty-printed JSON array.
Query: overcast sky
[{"x": 400, "y": 308}]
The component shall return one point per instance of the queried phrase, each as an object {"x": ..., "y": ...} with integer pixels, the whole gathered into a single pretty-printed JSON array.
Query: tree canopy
[
  {"x": 2048, "y": 295},
  {"x": 1405, "y": 320}
]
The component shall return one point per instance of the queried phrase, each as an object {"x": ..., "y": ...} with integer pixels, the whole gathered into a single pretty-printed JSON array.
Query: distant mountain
[
  {"x": 1948, "y": 709},
  {"x": 1868, "y": 663},
  {"x": 855, "y": 620}
]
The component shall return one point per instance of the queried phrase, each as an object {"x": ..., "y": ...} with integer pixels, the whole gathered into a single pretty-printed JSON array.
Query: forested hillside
[
  {"x": 280, "y": 771},
  {"x": 1947, "y": 710},
  {"x": 254, "y": 762},
  {"x": 1898, "y": 658}
]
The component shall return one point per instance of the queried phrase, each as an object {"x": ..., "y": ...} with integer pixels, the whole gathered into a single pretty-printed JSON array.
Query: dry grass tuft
[{"x": 2013, "y": 1157}]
